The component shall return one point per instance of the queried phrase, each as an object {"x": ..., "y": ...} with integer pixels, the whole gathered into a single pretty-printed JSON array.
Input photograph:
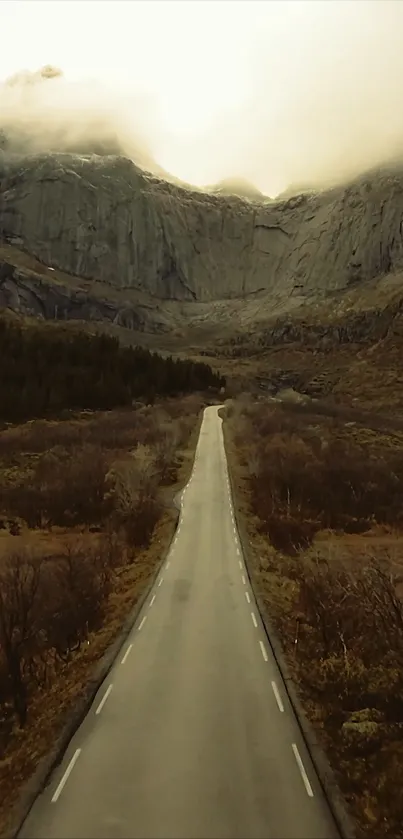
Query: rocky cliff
[
  {"x": 38, "y": 295},
  {"x": 104, "y": 219}
]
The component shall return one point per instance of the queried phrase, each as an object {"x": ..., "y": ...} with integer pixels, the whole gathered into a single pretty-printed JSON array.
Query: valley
[{"x": 293, "y": 309}]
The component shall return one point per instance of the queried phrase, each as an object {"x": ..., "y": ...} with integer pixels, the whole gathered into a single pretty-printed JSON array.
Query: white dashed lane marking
[
  {"x": 103, "y": 700},
  {"x": 278, "y": 697},
  {"x": 142, "y": 623},
  {"x": 68, "y": 771},
  {"x": 126, "y": 653},
  {"x": 301, "y": 768},
  {"x": 263, "y": 650},
  {"x": 252, "y": 614}
]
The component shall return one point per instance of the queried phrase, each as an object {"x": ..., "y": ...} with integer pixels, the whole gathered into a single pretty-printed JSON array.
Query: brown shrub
[
  {"x": 64, "y": 489},
  {"x": 132, "y": 489},
  {"x": 20, "y": 626},
  {"x": 47, "y": 609},
  {"x": 352, "y": 634},
  {"x": 76, "y": 587},
  {"x": 341, "y": 623},
  {"x": 307, "y": 479}
]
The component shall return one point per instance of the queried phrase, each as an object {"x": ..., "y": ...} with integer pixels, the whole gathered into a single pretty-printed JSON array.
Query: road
[{"x": 191, "y": 735}]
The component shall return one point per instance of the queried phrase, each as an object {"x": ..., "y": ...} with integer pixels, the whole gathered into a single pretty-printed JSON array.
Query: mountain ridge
[{"x": 183, "y": 254}]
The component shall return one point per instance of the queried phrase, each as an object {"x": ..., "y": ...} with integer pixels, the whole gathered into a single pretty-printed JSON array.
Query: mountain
[
  {"x": 110, "y": 240},
  {"x": 238, "y": 186}
]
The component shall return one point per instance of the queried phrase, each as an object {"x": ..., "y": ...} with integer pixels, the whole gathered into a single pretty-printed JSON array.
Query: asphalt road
[{"x": 191, "y": 735}]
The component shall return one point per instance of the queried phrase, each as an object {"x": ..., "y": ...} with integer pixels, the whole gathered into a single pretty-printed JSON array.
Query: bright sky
[{"x": 274, "y": 91}]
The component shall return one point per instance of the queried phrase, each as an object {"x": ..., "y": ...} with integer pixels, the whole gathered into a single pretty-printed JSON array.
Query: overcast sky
[{"x": 275, "y": 92}]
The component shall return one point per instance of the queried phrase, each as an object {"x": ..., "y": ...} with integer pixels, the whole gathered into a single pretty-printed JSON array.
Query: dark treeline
[{"x": 43, "y": 371}]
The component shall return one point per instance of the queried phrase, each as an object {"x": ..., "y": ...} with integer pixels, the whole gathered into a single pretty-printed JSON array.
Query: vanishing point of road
[{"x": 191, "y": 736}]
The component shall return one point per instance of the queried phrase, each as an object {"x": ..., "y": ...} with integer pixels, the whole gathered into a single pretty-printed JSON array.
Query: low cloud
[
  {"x": 315, "y": 99},
  {"x": 43, "y": 111}
]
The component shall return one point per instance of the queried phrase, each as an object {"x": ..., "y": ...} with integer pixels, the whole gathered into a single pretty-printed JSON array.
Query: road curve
[{"x": 191, "y": 735}]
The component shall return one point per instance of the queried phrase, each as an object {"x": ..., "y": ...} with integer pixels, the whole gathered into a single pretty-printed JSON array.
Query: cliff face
[{"x": 102, "y": 218}]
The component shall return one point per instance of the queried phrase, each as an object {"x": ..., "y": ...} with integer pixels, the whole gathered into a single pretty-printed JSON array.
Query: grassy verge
[
  {"x": 321, "y": 502},
  {"x": 73, "y": 564}
]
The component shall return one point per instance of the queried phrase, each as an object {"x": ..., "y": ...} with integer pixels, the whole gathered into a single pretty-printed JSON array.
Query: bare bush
[
  {"x": 19, "y": 623},
  {"x": 304, "y": 480},
  {"x": 132, "y": 488},
  {"x": 165, "y": 453},
  {"x": 63, "y": 490},
  {"x": 39, "y": 436},
  {"x": 47, "y": 609},
  {"x": 77, "y": 584},
  {"x": 339, "y": 612}
]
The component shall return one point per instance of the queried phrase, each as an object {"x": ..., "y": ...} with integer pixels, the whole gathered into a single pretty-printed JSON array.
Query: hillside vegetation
[
  {"x": 96, "y": 441},
  {"x": 322, "y": 501},
  {"x": 86, "y": 515},
  {"x": 45, "y": 371}
]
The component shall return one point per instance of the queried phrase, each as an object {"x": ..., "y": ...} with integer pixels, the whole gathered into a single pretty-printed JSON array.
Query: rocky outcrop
[
  {"x": 103, "y": 218},
  {"x": 25, "y": 292},
  {"x": 359, "y": 327}
]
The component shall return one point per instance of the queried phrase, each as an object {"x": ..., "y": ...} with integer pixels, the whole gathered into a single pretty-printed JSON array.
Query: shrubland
[
  {"x": 323, "y": 504},
  {"x": 86, "y": 513}
]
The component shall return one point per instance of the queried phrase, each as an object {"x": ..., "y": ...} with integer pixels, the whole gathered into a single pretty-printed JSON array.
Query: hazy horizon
[{"x": 278, "y": 93}]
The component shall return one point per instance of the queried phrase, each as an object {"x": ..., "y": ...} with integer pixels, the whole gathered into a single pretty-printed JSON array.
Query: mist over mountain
[{"x": 274, "y": 94}]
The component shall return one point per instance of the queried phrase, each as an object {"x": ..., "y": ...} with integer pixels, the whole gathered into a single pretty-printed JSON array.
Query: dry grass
[
  {"x": 49, "y": 707},
  {"x": 339, "y": 597}
]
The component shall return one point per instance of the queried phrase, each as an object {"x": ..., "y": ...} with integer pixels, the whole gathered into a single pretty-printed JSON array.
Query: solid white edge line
[
  {"x": 103, "y": 700},
  {"x": 301, "y": 768},
  {"x": 152, "y": 600},
  {"x": 126, "y": 653},
  {"x": 160, "y": 582},
  {"x": 263, "y": 649},
  {"x": 142, "y": 623},
  {"x": 247, "y": 596},
  {"x": 254, "y": 619},
  {"x": 278, "y": 697},
  {"x": 69, "y": 769}
]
